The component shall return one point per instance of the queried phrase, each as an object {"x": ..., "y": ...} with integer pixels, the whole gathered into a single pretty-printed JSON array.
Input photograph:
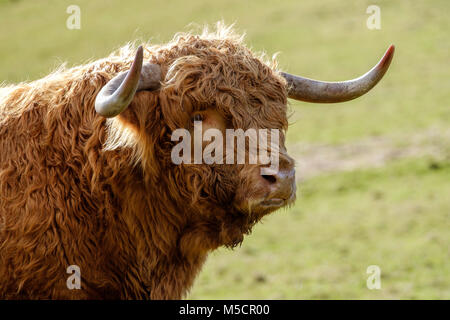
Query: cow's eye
[{"x": 197, "y": 117}]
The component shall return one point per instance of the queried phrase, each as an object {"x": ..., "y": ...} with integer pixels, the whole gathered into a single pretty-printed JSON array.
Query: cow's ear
[
  {"x": 142, "y": 112},
  {"x": 144, "y": 121}
]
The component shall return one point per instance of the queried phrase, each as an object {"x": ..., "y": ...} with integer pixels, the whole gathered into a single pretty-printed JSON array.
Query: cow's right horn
[{"x": 117, "y": 94}]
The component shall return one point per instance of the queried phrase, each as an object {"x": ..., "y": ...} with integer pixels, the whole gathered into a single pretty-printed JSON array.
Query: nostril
[{"x": 269, "y": 178}]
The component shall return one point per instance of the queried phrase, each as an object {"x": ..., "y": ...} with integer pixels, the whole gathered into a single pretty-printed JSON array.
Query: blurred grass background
[{"x": 393, "y": 212}]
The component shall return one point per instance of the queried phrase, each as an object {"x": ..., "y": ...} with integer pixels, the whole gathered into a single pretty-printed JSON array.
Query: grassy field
[{"x": 395, "y": 215}]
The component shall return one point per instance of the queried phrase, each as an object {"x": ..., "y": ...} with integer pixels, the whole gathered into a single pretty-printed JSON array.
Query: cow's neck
[{"x": 163, "y": 248}]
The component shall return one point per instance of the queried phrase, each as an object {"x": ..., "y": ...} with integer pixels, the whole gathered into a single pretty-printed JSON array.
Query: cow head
[{"x": 222, "y": 85}]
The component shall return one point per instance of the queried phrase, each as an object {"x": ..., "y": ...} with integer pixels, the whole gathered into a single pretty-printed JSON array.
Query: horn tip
[
  {"x": 140, "y": 51},
  {"x": 391, "y": 49},
  {"x": 387, "y": 58}
]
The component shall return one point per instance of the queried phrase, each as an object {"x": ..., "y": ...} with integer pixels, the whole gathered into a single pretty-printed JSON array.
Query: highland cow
[{"x": 86, "y": 176}]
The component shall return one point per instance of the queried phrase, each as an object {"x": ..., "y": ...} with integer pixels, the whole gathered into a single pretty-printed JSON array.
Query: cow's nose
[{"x": 281, "y": 183}]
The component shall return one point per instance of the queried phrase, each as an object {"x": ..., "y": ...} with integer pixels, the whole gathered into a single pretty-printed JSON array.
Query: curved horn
[
  {"x": 309, "y": 90},
  {"x": 117, "y": 94}
]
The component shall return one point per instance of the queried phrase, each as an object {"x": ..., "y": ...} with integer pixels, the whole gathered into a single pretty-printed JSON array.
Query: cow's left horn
[
  {"x": 327, "y": 92},
  {"x": 117, "y": 94}
]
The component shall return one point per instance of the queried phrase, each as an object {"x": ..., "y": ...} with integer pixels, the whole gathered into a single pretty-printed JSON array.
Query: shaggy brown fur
[{"x": 77, "y": 189}]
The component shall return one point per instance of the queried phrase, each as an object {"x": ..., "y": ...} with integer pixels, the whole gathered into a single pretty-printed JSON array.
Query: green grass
[{"x": 396, "y": 217}]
